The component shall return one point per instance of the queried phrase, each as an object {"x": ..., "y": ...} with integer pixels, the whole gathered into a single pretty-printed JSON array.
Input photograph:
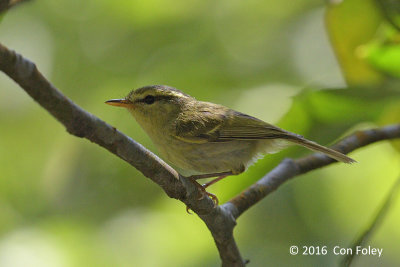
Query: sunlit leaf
[
  {"x": 385, "y": 58},
  {"x": 336, "y": 106},
  {"x": 384, "y": 52},
  {"x": 340, "y": 105},
  {"x": 352, "y": 23},
  {"x": 325, "y": 115}
]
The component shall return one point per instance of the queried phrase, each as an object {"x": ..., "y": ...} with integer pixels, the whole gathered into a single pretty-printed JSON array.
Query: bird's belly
[{"x": 206, "y": 158}]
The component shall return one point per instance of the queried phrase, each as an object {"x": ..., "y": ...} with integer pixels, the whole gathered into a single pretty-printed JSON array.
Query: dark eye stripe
[
  {"x": 149, "y": 99},
  {"x": 153, "y": 99}
]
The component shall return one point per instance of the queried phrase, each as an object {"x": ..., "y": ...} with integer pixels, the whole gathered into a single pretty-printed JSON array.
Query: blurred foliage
[
  {"x": 391, "y": 10},
  {"x": 67, "y": 202},
  {"x": 384, "y": 53},
  {"x": 351, "y": 23}
]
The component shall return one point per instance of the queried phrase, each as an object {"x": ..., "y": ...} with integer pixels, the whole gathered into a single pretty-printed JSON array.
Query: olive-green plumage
[{"x": 205, "y": 138}]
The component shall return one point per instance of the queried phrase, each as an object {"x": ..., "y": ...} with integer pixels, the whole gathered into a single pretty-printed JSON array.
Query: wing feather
[
  {"x": 219, "y": 124},
  {"x": 215, "y": 123}
]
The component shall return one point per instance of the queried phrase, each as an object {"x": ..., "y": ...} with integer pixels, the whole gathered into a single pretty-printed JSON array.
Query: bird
[{"x": 204, "y": 140}]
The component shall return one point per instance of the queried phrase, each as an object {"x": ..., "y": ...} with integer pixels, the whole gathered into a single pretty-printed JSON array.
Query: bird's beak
[{"x": 119, "y": 102}]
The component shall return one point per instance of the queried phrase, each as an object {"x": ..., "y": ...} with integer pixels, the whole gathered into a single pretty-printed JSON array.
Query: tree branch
[
  {"x": 81, "y": 123},
  {"x": 7, "y": 4},
  {"x": 290, "y": 168},
  {"x": 220, "y": 220}
]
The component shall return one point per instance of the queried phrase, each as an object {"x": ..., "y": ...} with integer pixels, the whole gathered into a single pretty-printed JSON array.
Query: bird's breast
[{"x": 205, "y": 158}]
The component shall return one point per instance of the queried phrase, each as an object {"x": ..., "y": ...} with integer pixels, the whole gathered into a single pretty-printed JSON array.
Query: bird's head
[{"x": 154, "y": 104}]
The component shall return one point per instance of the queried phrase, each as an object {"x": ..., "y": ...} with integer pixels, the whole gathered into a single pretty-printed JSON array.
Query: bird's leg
[
  {"x": 214, "y": 181},
  {"x": 210, "y": 175},
  {"x": 220, "y": 176},
  {"x": 202, "y": 188}
]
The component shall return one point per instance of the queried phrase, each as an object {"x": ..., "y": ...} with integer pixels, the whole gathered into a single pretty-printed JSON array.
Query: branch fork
[{"x": 220, "y": 220}]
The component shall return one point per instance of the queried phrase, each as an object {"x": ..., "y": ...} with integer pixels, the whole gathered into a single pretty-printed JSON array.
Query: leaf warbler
[{"x": 202, "y": 139}]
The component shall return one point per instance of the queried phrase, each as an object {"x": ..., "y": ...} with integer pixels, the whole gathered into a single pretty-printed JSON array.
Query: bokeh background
[{"x": 318, "y": 68}]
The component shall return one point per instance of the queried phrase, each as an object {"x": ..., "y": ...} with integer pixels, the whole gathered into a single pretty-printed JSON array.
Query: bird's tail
[{"x": 318, "y": 148}]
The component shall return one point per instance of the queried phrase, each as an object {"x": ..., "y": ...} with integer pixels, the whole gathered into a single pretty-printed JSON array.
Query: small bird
[{"x": 203, "y": 139}]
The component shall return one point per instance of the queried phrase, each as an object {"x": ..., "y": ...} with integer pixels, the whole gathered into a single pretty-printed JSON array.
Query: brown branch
[
  {"x": 4, "y": 5},
  {"x": 81, "y": 123},
  {"x": 7, "y": 4},
  {"x": 290, "y": 168},
  {"x": 220, "y": 220}
]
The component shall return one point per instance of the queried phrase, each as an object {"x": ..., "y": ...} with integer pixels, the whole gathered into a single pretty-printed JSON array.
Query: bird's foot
[
  {"x": 202, "y": 188},
  {"x": 212, "y": 196}
]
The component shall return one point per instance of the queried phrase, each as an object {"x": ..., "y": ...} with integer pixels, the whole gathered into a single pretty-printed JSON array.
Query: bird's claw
[
  {"x": 213, "y": 197},
  {"x": 188, "y": 210}
]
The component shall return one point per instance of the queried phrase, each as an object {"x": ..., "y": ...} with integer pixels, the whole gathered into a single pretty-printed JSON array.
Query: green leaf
[
  {"x": 324, "y": 115},
  {"x": 383, "y": 53},
  {"x": 385, "y": 58},
  {"x": 350, "y": 24}
]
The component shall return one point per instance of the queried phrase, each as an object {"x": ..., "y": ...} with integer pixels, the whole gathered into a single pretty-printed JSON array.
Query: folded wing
[{"x": 220, "y": 124}]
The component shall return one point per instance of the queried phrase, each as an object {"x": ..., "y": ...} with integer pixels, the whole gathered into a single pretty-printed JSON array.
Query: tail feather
[{"x": 318, "y": 148}]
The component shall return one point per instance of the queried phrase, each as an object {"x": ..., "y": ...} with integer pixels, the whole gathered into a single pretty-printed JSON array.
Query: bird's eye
[{"x": 149, "y": 99}]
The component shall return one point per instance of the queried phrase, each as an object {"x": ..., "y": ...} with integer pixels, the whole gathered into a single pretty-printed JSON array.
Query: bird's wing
[
  {"x": 201, "y": 124},
  {"x": 220, "y": 124},
  {"x": 245, "y": 127},
  {"x": 228, "y": 125}
]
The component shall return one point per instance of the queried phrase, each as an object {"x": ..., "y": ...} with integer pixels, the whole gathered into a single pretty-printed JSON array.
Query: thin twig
[
  {"x": 374, "y": 224},
  {"x": 290, "y": 168},
  {"x": 7, "y": 4},
  {"x": 4, "y": 5},
  {"x": 220, "y": 220},
  {"x": 81, "y": 123}
]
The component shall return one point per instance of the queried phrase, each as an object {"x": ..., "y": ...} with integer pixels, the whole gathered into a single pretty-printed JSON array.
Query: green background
[{"x": 320, "y": 69}]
